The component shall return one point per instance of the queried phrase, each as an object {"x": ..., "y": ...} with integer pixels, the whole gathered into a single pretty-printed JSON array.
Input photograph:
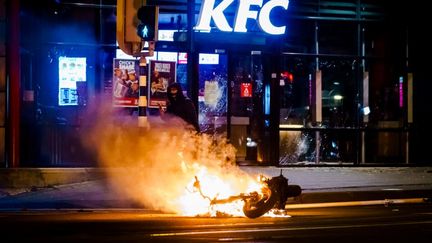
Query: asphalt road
[{"x": 408, "y": 222}]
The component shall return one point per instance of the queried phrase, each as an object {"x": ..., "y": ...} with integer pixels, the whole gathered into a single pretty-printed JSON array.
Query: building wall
[
  {"x": 338, "y": 54},
  {"x": 2, "y": 81}
]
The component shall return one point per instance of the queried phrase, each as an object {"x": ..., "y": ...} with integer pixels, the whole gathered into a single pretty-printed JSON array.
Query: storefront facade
[{"x": 337, "y": 87}]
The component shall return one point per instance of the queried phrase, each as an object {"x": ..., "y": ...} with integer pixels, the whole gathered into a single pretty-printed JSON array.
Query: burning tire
[{"x": 259, "y": 204}]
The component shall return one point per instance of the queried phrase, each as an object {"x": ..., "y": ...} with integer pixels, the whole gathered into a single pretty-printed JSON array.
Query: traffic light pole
[
  {"x": 143, "y": 88},
  {"x": 13, "y": 89}
]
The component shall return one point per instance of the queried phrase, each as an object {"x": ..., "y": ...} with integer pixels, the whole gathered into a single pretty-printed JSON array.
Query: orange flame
[
  {"x": 192, "y": 203},
  {"x": 157, "y": 167}
]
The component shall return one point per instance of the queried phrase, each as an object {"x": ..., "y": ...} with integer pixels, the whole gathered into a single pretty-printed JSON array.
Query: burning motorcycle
[{"x": 274, "y": 193}]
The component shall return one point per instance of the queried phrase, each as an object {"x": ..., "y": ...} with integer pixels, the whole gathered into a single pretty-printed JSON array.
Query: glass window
[
  {"x": 248, "y": 113},
  {"x": 300, "y": 36},
  {"x": 339, "y": 110},
  {"x": 384, "y": 40},
  {"x": 385, "y": 62},
  {"x": 241, "y": 66},
  {"x": 338, "y": 38},
  {"x": 385, "y": 146},
  {"x": 212, "y": 95},
  {"x": 340, "y": 93},
  {"x": 296, "y": 147},
  {"x": 386, "y": 96},
  {"x": 295, "y": 90}
]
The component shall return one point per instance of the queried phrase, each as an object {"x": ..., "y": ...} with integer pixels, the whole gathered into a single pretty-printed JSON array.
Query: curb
[
  {"x": 30, "y": 201},
  {"x": 46, "y": 177},
  {"x": 385, "y": 202},
  {"x": 359, "y": 195}
]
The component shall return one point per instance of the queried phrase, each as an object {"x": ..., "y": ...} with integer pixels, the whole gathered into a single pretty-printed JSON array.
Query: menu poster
[{"x": 71, "y": 71}]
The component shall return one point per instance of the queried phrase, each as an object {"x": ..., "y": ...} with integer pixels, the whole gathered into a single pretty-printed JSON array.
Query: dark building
[{"x": 346, "y": 83}]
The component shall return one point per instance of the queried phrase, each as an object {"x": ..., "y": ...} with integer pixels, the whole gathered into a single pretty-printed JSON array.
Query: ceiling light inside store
[{"x": 337, "y": 97}]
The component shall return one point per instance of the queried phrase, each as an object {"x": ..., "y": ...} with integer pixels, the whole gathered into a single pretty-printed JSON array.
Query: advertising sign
[
  {"x": 247, "y": 9},
  {"x": 162, "y": 74},
  {"x": 71, "y": 70},
  {"x": 125, "y": 82}
]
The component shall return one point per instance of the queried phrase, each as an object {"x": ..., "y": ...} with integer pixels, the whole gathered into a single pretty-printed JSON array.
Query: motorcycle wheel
[{"x": 260, "y": 204}]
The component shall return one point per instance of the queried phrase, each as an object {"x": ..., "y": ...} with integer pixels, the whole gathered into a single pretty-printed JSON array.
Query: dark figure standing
[{"x": 181, "y": 106}]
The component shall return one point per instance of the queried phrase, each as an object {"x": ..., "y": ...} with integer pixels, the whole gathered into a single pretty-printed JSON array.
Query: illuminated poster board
[
  {"x": 125, "y": 82},
  {"x": 182, "y": 58},
  {"x": 71, "y": 70},
  {"x": 167, "y": 56},
  {"x": 162, "y": 74}
]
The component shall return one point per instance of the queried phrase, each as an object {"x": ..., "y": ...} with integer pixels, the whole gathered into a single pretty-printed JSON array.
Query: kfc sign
[{"x": 209, "y": 11}]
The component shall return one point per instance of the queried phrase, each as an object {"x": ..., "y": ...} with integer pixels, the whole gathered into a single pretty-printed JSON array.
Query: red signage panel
[{"x": 246, "y": 90}]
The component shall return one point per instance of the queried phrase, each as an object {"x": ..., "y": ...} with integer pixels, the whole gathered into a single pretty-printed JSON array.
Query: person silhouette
[{"x": 179, "y": 105}]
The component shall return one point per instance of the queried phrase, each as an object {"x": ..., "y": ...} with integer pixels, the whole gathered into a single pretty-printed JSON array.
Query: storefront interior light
[
  {"x": 250, "y": 142},
  {"x": 290, "y": 126},
  {"x": 267, "y": 99},
  {"x": 337, "y": 97},
  {"x": 366, "y": 110}
]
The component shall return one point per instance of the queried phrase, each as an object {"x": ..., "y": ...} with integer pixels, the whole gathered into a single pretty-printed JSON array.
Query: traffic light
[{"x": 147, "y": 29}]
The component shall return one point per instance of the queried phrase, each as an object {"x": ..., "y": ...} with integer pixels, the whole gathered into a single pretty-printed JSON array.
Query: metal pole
[
  {"x": 410, "y": 98},
  {"x": 318, "y": 113},
  {"x": 143, "y": 89},
  {"x": 410, "y": 114},
  {"x": 318, "y": 98},
  {"x": 192, "y": 59},
  {"x": 407, "y": 148},
  {"x": 365, "y": 93},
  {"x": 13, "y": 61}
]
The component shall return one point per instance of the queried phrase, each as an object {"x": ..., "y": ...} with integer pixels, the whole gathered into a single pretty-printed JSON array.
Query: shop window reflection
[
  {"x": 295, "y": 110},
  {"x": 340, "y": 93},
  {"x": 298, "y": 137},
  {"x": 294, "y": 94}
]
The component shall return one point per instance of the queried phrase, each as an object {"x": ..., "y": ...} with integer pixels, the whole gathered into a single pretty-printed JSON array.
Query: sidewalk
[
  {"x": 87, "y": 188},
  {"x": 338, "y": 184}
]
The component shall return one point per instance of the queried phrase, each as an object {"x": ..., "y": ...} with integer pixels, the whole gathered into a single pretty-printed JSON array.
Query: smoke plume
[{"x": 155, "y": 165}]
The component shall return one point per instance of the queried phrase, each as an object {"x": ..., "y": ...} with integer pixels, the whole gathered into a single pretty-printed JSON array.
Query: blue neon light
[{"x": 267, "y": 99}]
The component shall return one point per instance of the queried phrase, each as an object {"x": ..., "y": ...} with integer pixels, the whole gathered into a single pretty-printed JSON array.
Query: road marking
[
  {"x": 286, "y": 229},
  {"x": 355, "y": 203}
]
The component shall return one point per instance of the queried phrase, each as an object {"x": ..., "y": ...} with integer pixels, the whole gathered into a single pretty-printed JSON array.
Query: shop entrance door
[
  {"x": 212, "y": 93},
  {"x": 234, "y": 102},
  {"x": 251, "y": 108}
]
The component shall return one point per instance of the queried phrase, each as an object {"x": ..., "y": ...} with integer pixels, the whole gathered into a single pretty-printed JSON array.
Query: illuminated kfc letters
[{"x": 210, "y": 11}]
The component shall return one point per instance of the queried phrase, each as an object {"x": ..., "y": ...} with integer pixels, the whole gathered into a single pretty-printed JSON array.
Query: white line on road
[
  {"x": 286, "y": 229},
  {"x": 355, "y": 203}
]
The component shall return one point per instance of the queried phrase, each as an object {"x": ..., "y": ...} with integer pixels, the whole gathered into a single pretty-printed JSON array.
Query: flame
[
  {"x": 194, "y": 202},
  {"x": 157, "y": 167},
  {"x": 214, "y": 186}
]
